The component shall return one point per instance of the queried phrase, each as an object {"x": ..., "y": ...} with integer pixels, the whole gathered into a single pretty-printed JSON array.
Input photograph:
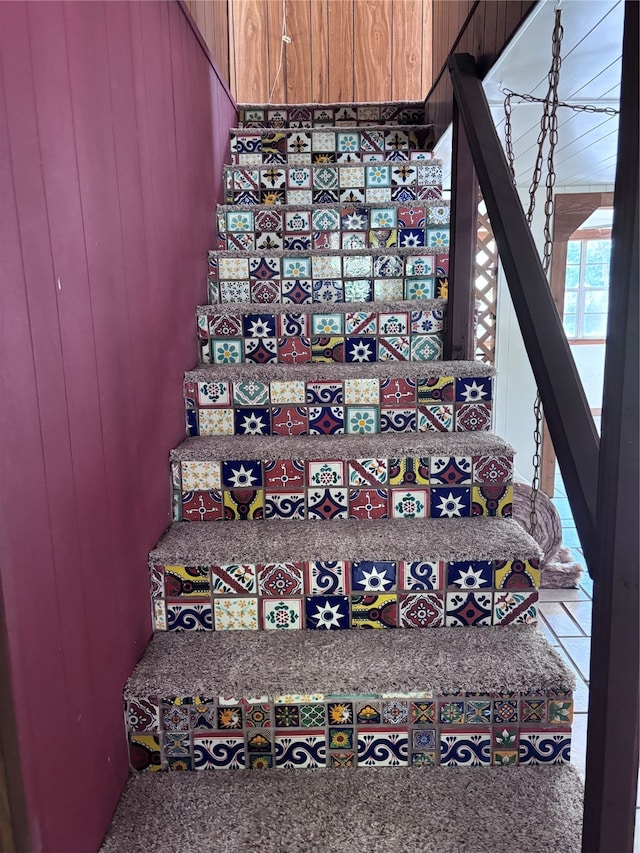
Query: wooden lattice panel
[{"x": 486, "y": 281}]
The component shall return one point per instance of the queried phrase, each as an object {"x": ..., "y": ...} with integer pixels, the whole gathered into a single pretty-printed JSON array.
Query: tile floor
[{"x": 565, "y": 618}]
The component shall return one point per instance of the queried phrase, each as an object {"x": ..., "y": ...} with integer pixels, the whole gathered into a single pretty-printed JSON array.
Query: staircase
[{"x": 338, "y": 475}]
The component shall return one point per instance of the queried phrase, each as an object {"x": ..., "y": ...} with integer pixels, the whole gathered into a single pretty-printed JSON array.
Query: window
[{"x": 586, "y": 295}]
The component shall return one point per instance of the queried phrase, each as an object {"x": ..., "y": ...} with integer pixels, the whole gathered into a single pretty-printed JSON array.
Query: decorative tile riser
[
  {"x": 330, "y": 227},
  {"x": 345, "y": 277},
  {"x": 318, "y": 336},
  {"x": 316, "y": 731},
  {"x": 313, "y": 115},
  {"x": 344, "y": 594},
  {"x": 319, "y": 184},
  {"x": 296, "y": 489},
  {"x": 351, "y": 406},
  {"x": 348, "y": 145}
]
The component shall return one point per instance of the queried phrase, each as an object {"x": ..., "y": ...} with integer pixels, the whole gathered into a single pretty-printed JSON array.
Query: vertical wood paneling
[
  {"x": 298, "y": 52},
  {"x": 406, "y": 48},
  {"x": 320, "y": 58},
  {"x": 109, "y": 150},
  {"x": 276, "y": 52},
  {"x": 427, "y": 31},
  {"x": 341, "y": 50},
  {"x": 340, "y": 72},
  {"x": 250, "y": 47},
  {"x": 372, "y": 57}
]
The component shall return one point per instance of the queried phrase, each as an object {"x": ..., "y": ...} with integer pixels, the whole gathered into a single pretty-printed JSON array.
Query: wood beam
[
  {"x": 614, "y": 706},
  {"x": 567, "y": 412}
]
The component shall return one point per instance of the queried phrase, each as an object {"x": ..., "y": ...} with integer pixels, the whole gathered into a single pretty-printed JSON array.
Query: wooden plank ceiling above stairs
[{"x": 338, "y": 475}]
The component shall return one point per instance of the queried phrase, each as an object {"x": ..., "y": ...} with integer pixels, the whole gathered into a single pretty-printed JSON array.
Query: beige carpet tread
[
  {"x": 387, "y": 446},
  {"x": 337, "y": 371},
  {"x": 378, "y": 307},
  {"x": 207, "y": 543},
  {"x": 355, "y": 662},
  {"x": 373, "y": 810}
]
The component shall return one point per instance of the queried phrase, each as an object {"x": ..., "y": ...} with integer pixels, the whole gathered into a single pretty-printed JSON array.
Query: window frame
[{"x": 583, "y": 236}]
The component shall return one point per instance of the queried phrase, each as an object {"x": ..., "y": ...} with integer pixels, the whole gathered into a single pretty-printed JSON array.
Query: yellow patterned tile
[
  {"x": 492, "y": 501},
  {"x": 517, "y": 574}
]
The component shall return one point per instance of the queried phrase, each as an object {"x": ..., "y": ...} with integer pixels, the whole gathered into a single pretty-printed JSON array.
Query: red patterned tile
[
  {"x": 294, "y": 350},
  {"x": 201, "y": 506},
  {"x": 289, "y": 420},
  {"x": 284, "y": 474},
  {"x": 368, "y": 503}
]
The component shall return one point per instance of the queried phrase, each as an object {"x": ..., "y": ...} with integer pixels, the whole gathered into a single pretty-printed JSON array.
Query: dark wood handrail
[{"x": 565, "y": 404}]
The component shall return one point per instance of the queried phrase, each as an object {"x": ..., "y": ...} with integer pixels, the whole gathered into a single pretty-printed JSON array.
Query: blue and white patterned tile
[
  {"x": 379, "y": 576},
  {"x": 465, "y": 749},
  {"x": 545, "y": 747},
  {"x": 218, "y": 752},
  {"x": 301, "y": 749},
  {"x": 468, "y": 608},
  {"x": 327, "y": 612},
  {"x": 327, "y": 577},
  {"x": 451, "y": 471},
  {"x": 383, "y": 748},
  {"x": 470, "y": 574},
  {"x": 420, "y": 575},
  {"x": 450, "y": 503},
  {"x": 194, "y": 616}
]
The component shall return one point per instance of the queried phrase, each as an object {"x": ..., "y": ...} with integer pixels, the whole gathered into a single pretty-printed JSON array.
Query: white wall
[{"x": 515, "y": 389}]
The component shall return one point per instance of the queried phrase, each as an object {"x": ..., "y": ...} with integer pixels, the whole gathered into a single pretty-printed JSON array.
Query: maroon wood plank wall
[{"x": 113, "y": 131}]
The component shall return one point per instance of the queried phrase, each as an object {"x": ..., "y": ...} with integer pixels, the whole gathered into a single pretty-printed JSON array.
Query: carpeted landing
[
  {"x": 255, "y": 663},
  {"x": 373, "y": 810}
]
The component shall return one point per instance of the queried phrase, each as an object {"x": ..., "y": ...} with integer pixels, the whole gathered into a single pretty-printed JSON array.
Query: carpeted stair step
[
  {"x": 330, "y": 226},
  {"x": 170, "y": 812},
  {"x": 320, "y": 332},
  {"x": 386, "y": 180},
  {"x": 486, "y": 572},
  {"x": 255, "y": 146},
  {"x": 236, "y": 699},
  {"x": 320, "y": 398},
  {"x": 324, "y": 477},
  {"x": 327, "y": 115},
  {"x": 359, "y": 275}
]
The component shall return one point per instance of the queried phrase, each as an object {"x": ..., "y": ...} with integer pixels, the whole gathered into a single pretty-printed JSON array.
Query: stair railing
[
  {"x": 601, "y": 476},
  {"x": 565, "y": 404}
]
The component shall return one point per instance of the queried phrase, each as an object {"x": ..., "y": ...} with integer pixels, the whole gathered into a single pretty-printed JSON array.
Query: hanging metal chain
[
  {"x": 508, "y": 136},
  {"x": 579, "y": 108},
  {"x": 548, "y": 129}
]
